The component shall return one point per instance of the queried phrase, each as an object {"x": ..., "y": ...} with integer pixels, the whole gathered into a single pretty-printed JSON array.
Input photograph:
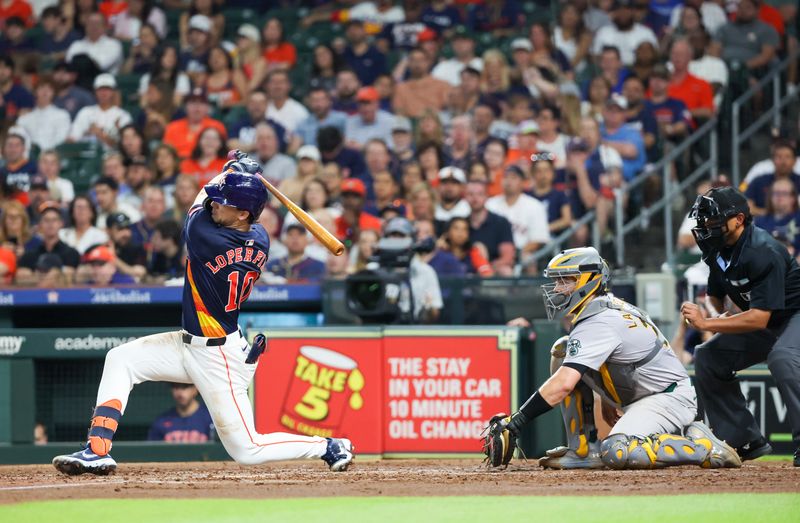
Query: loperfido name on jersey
[{"x": 238, "y": 255}]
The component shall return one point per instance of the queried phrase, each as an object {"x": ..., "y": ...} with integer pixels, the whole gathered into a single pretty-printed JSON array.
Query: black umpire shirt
[{"x": 757, "y": 273}]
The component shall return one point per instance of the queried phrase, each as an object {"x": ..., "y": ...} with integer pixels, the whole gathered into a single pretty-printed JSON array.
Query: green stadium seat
[
  {"x": 80, "y": 163},
  {"x": 236, "y": 17},
  {"x": 128, "y": 85}
]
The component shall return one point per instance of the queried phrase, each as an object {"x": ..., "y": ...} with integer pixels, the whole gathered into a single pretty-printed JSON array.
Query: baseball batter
[
  {"x": 616, "y": 350},
  {"x": 226, "y": 254}
]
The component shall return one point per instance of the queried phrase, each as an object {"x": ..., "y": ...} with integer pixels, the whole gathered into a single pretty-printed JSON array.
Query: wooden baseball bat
[{"x": 320, "y": 233}]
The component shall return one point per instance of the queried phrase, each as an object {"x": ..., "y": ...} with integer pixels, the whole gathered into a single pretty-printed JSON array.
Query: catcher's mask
[
  {"x": 579, "y": 274},
  {"x": 712, "y": 211}
]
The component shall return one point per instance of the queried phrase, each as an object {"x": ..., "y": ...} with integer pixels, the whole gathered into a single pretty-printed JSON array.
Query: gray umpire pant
[{"x": 716, "y": 363}]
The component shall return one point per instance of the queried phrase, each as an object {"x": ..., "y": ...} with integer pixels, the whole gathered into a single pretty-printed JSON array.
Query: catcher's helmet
[
  {"x": 592, "y": 277},
  {"x": 712, "y": 210},
  {"x": 241, "y": 187}
]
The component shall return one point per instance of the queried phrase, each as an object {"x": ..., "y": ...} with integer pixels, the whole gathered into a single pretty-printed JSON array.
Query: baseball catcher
[{"x": 615, "y": 350}]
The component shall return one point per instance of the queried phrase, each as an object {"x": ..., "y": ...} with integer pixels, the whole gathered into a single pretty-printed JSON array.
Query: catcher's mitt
[{"x": 500, "y": 441}]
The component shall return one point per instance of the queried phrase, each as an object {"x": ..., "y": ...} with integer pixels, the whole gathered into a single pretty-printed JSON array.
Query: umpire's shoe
[
  {"x": 85, "y": 461},
  {"x": 565, "y": 458},
  {"x": 754, "y": 449},
  {"x": 339, "y": 454},
  {"x": 721, "y": 455},
  {"x": 797, "y": 458}
]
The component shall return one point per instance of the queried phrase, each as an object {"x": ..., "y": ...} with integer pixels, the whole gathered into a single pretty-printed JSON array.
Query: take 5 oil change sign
[{"x": 391, "y": 391}]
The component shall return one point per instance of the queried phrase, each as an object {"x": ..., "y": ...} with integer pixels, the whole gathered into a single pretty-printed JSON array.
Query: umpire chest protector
[{"x": 757, "y": 272}]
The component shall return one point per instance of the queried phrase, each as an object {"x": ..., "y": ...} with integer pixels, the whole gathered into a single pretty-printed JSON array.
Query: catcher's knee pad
[{"x": 620, "y": 451}]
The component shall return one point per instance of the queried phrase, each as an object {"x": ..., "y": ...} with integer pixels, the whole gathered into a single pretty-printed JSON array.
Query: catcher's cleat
[
  {"x": 754, "y": 449},
  {"x": 85, "y": 461},
  {"x": 562, "y": 458},
  {"x": 339, "y": 454},
  {"x": 721, "y": 454}
]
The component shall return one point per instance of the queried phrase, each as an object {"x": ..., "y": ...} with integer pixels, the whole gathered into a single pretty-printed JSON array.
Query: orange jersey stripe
[{"x": 210, "y": 327}]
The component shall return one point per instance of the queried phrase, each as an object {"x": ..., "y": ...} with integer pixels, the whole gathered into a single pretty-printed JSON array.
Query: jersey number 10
[{"x": 236, "y": 297}]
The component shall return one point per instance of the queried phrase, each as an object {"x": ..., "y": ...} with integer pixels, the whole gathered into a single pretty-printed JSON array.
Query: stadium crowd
[{"x": 492, "y": 125}]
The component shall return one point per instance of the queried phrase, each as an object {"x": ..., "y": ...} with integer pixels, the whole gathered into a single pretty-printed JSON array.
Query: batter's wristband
[{"x": 534, "y": 407}]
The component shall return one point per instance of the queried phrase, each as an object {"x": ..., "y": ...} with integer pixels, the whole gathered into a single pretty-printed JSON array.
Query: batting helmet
[
  {"x": 712, "y": 210},
  {"x": 241, "y": 187},
  {"x": 591, "y": 274}
]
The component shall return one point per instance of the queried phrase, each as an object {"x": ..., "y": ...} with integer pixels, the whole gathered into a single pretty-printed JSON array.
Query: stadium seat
[
  {"x": 80, "y": 163},
  {"x": 236, "y": 17}
]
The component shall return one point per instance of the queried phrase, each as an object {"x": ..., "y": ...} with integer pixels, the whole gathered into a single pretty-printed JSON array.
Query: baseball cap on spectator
[
  {"x": 293, "y": 225},
  {"x": 105, "y": 80},
  {"x": 617, "y": 100},
  {"x": 107, "y": 180},
  {"x": 528, "y": 127},
  {"x": 47, "y": 261},
  {"x": 308, "y": 151},
  {"x": 461, "y": 32},
  {"x": 452, "y": 173},
  {"x": 473, "y": 70},
  {"x": 367, "y": 94},
  {"x": 38, "y": 182},
  {"x": 427, "y": 35},
  {"x": 660, "y": 71},
  {"x": 521, "y": 44},
  {"x": 197, "y": 94},
  {"x": 118, "y": 219},
  {"x": 200, "y": 23},
  {"x": 353, "y": 186},
  {"x": 50, "y": 205},
  {"x": 401, "y": 124},
  {"x": 514, "y": 169},
  {"x": 250, "y": 31},
  {"x": 100, "y": 253}
]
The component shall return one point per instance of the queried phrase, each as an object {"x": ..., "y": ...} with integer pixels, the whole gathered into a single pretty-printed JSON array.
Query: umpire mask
[{"x": 712, "y": 211}]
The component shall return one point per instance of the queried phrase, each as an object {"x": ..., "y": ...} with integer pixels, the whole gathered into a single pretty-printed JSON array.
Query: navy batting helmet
[{"x": 241, "y": 187}]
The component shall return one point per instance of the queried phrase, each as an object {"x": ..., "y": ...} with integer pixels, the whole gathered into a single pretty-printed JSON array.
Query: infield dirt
[{"x": 381, "y": 478}]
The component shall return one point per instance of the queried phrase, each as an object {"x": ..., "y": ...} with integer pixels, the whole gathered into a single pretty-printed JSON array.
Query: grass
[{"x": 707, "y": 508}]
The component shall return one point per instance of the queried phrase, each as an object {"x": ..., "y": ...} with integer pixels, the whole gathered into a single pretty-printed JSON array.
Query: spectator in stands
[
  {"x": 16, "y": 98},
  {"x": 353, "y": 219},
  {"x": 50, "y": 223},
  {"x": 411, "y": 175},
  {"x": 494, "y": 155},
  {"x": 332, "y": 178},
  {"x": 184, "y": 192},
  {"x": 387, "y": 196},
  {"x": 495, "y": 77},
  {"x": 442, "y": 17},
  {"x": 17, "y": 169},
  {"x": 129, "y": 258},
  {"x": 442, "y": 260},
  {"x": 166, "y": 165},
  {"x": 363, "y": 250},
  {"x": 647, "y": 56},
  {"x": 692, "y": 91},
  {"x": 165, "y": 69},
  {"x": 422, "y": 202},
  {"x": 58, "y": 34},
  {"x": 612, "y": 69},
  {"x": 37, "y": 195},
  {"x": 153, "y": 208},
  {"x": 131, "y": 143},
  {"x": 143, "y": 53},
  {"x": 499, "y": 17},
  {"x": 168, "y": 259},
  {"x": 138, "y": 14},
  {"x": 249, "y": 57},
  {"x": 114, "y": 167},
  {"x": 322, "y": 115},
  {"x": 8, "y": 265},
  {"x": 599, "y": 92},
  {"x": 213, "y": 22},
  {"x": 712, "y": 15},
  {"x": 555, "y": 201},
  {"x": 622, "y": 137},
  {"x": 690, "y": 20},
  {"x": 527, "y": 137},
  {"x": 188, "y": 422},
  {"x": 325, "y": 66},
  {"x": 527, "y": 215},
  {"x": 784, "y": 158},
  {"x": 478, "y": 171},
  {"x": 49, "y": 273},
  {"x": 270, "y": 220},
  {"x": 549, "y": 138},
  {"x": 463, "y": 56},
  {"x": 451, "y": 203},
  {"x": 363, "y": 58},
  {"x": 347, "y": 86},
  {"x": 491, "y": 230},
  {"x": 466, "y": 96},
  {"x": 15, "y": 39},
  {"x": 472, "y": 256},
  {"x": 296, "y": 265},
  {"x": 69, "y": 96},
  {"x": 640, "y": 115},
  {"x": 369, "y": 122},
  {"x": 707, "y": 67},
  {"x": 275, "y": 165},
  {"x": 82, "y": 234},
  {"x": 431, "y": 161},
  {"x": 242, "y": 133},
  {"x": 571, "y": 36},
  {"x": 747, "y": 41},
  {"x": 782, "y": 216},
  {"x": 459, "y": 147},
  {"x": 224, "y": 84},
  {"x": 429, "y": 129},
  {"x": 421, "y": 91},
  {"x": 671, "y": 114},
  {"x": 208, "y": 156},
  {"x": 47, "y": 125},
  {"x": 278, "y": 53},
  {"x": 182, "y": 134},
  {"x": 138, "y": 178},
  {"x": 104, "y": 51},
  {"x": 106, "y": 192},
  {"x": 378, "y": 158},
  {"x": 194, "y": 56},
  {"x": 15, "y": 230},
  {"x": 98, "y": 267},
  {"x": 623, "y": 33},
  {"x": 308, "y": 167},
  {"x": 331, "y": 146},
  {"x": 49, "y": 166},
  {"x": 285, "y": 110},
  {"x": 549, "y": 60},
  {"x": 101, "y": 122}
]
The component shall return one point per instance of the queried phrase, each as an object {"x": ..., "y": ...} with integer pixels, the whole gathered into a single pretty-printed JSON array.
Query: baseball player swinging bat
[{"x": 320, "y": 233}]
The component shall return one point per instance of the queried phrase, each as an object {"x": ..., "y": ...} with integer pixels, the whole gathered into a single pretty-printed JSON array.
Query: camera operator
[{"x": 425, "y": 291}]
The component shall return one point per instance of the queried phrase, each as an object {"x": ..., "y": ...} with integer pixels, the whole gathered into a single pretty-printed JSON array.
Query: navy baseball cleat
[
  {"x": 339, "y": 454},
  {"x": 85, "y": 461}
]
